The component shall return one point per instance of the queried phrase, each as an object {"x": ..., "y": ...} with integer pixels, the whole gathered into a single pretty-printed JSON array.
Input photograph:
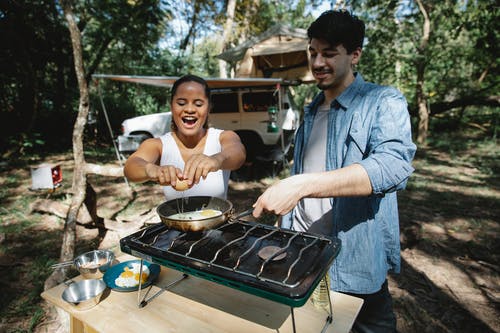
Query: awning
[{"x": 217, "y": 83}]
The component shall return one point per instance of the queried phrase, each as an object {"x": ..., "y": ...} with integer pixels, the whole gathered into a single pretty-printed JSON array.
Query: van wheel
[
  {"x": 141, "y": 137},
  {"x": 253, "y": 145}
]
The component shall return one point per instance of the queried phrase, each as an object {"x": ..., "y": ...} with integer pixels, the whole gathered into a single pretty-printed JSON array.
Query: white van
[{"x": 262, "y": 115}]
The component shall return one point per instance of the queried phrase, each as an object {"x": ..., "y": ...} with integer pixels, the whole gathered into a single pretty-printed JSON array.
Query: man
[{"x": 353, "y": 151}]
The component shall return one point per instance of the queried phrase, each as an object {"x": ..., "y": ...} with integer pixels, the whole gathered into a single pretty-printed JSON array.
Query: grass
[{"x": 455, "y": 188}]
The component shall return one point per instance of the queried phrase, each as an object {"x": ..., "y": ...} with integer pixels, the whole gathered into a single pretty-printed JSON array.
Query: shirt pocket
[{"x": 355, "y": 148}]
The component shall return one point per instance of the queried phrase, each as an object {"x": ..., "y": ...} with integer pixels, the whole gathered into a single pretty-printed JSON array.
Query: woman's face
[{"x": 190, "y": 108}]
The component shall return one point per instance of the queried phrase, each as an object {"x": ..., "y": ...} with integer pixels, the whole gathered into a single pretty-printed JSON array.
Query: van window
[
  {"x": 259, "y": 101},
  {"x": 224, "y": 103}
]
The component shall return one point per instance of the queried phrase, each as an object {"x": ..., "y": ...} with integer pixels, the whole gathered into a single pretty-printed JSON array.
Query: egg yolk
[
  {"x": 144, "y": 277},
  {"x": 208, "y": 212},
  {"x": 127, "y": 273}
]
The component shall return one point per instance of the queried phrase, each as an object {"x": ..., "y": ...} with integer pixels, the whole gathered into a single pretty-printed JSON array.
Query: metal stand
[
  {"x": 142, "y": 303},
  {"x": 140, "y": 286},
  {"x": 329, "y": 318}
]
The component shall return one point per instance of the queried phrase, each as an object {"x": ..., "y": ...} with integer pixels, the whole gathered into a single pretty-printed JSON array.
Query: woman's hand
[
  {"x": 198, "y": 166},
  {"x": 166, "y": 175}
]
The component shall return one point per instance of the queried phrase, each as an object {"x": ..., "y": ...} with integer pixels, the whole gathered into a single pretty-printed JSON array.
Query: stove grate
[{"x": 251, "y": 237}]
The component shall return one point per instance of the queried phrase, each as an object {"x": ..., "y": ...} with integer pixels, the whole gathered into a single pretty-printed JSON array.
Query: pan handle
[
  {"x": 62, "y": 264},
  {"x": 243, "y": 214}
]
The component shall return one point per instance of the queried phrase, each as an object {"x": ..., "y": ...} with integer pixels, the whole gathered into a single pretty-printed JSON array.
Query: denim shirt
[{"x": 368, "y": 124}]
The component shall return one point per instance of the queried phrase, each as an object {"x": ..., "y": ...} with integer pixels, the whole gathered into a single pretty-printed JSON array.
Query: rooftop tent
[{"x": 280, "y": 52}]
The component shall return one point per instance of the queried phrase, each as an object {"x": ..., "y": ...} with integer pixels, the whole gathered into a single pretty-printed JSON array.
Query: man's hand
[{"x": 281, "y": 197}]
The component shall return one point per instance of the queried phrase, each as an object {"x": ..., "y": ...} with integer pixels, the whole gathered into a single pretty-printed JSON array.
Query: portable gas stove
[{"x": 278, "y": 264}]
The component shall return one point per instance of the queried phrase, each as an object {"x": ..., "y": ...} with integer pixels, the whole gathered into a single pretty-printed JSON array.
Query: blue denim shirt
[{"x": 368, "y": 124}]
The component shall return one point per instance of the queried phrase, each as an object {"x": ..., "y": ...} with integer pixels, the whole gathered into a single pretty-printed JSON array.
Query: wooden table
[{"x": 198, "y": 305}]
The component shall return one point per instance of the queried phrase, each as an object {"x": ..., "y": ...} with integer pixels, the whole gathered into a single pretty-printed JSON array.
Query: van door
[
  {"x": 255, "y": 113},
  {"x": 225, "y": 110}
]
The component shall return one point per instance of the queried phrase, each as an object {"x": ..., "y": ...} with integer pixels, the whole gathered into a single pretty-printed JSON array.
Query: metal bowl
[
  {"x": 84, "y": 294},
  {"x": 93, "y": 264}
]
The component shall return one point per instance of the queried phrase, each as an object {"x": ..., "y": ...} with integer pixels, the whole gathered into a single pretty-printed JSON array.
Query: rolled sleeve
[{"x": 391, "y": 149}]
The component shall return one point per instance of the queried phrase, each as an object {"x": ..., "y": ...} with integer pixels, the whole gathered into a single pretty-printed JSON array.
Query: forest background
[{"x": 443, "y": 55}]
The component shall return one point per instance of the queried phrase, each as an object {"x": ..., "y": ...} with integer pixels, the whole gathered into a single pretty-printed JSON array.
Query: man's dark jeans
[{"x": 376, "y": 314}]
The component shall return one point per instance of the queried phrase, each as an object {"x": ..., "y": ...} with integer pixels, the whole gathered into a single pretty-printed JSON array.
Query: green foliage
[
  {"x": 38, "y": 91},
  {"x": 38, "y": 88},
  {"x": 28, "y": 143},
  {"x": 463, "y": 41}
]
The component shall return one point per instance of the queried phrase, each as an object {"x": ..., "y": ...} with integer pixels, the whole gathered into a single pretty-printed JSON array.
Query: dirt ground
[{"x": 449, "y": 235}]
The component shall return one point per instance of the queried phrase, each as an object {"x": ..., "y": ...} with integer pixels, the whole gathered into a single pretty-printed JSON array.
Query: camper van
[
  {"x": 262, "y": 114},
  {"x": 256, "y": 104}
]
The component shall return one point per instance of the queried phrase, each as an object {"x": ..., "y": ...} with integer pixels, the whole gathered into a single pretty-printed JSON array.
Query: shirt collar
[{"x": 345, "y": 99}]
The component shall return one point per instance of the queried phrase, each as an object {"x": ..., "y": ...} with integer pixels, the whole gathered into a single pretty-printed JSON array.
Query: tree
[
  {"x": 81, "y": 168},
  {"x": 79, "y": 177},
  {"x": 441, "y": 55},
  {"x": 37, "y": 82},
  {"x": 420, "y": 64},
  {"x": 33, "y": 62},
  {"x": 226, "y": 36}
]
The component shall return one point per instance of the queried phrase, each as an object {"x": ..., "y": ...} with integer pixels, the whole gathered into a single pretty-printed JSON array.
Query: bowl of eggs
[
  {"x": 93, "y": 264},
  {"x": 85, "y": 294},
  {"x": 127, "y": 276}
]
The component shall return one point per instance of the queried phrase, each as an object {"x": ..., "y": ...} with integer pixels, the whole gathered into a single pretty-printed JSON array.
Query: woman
[{"x": 192, "y": 157}]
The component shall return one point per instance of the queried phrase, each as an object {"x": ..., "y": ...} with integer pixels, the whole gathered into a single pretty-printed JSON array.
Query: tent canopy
[
  {"x": 280, "y": 48},
  {"x": 237, "y": 53}
]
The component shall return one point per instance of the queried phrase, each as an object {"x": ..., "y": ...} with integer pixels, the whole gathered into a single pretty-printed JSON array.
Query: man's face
[{"x": 331, "y": 66}]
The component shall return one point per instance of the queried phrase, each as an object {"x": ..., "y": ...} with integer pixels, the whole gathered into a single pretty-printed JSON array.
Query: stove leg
[
  {"x": 329, "y": 318},
  {"x": 293, "y": 320},
  {"x": 140, "y": 285}
]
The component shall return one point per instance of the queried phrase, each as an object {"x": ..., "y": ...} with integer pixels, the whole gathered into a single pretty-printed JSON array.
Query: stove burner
[
  {"x": 269, "y": 251},
  {"x": 279, "y": 264}
]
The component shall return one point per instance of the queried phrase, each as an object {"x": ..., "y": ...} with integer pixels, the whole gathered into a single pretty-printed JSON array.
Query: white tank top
[{"x": 216, "y": 183}]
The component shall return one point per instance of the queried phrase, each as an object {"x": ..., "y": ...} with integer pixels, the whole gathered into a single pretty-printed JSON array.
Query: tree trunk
[
  {"x": 251, "y": 10},
  {"x": 192, "y": 27},
  {"x": 79, "y": 175},
  {"x": 423, "y": 112},
  {"x": 226, "y": 35}
]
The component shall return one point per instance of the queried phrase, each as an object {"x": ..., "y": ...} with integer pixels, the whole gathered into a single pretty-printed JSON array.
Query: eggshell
[{"x": 181, "y": 185}]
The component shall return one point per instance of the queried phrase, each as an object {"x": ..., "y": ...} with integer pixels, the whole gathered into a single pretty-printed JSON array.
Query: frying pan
[{"x": 189, "y": 204}]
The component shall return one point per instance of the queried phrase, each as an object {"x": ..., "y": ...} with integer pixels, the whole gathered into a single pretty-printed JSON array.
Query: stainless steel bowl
[
  {"x": 93, "y": 264},
  {"x": 84, "y": 294}
]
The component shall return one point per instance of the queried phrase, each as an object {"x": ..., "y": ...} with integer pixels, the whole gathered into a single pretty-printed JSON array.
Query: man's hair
[{"x": 338, "y": 27}]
